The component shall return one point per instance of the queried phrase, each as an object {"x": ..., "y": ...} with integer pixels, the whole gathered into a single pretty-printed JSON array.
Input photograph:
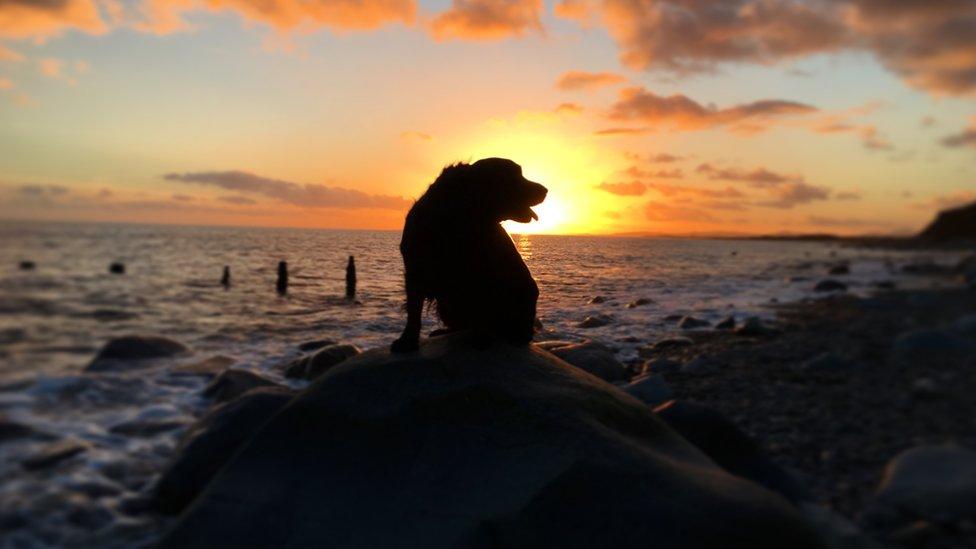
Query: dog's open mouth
[{"x": 525, "y": 215}]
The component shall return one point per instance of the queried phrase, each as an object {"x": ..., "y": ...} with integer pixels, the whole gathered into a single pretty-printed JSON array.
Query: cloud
[
  {"x": 874, "y": 141},
  {"x": 8, "y": 55},
  {"x": 42, "y": 190},
  {"x": 237, "y": 199},
  {"x": 680, "y": 112},
  {"x": 664, "y": 158},
  {"x": 487, "y": 19},
  {"x": 307, "y": 195},
  {"x": 622, "y": 131},
  {"x": 947, "y": 201},
  {"x": 662, "y": 211},
  {"x": 634, "y": 171},
  {"x": 589, "y": 81},
  {"x": 40, "y": 19},
  {"x": 6, "y": 84},
  {"x": 929, "y": 44},
  {"x": 825, "y": 221},
  {"x": 757, "y": 177},
  {"x": 571, "y": 109},
  {"x": 965, "y": 138},
  {"x": 51, "y": 67},
  {"x": 794, "y": 194},
  {"x": 634, "y": 188}
]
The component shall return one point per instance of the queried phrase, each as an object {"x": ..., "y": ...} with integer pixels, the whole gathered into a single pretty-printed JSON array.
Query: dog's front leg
[{"x": 409, "y": 340}]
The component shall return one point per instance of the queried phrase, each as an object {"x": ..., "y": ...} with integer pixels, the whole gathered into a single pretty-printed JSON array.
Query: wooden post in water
[
  {"x": 117, "y": 268},
  {"x": 351, "y": 278},
  {"x": 225, "y": 278},
  {"x": 282, "y": 277}
]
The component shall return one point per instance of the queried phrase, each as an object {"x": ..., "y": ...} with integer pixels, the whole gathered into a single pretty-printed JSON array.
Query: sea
[{"x": 56, "y": 316}]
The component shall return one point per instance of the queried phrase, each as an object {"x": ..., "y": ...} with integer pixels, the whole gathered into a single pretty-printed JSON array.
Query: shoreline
[{"x": 838, "y": 390}]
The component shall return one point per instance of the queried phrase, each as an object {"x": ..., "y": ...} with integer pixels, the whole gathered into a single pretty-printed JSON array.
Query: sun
[{"x": 552, "y": 218}]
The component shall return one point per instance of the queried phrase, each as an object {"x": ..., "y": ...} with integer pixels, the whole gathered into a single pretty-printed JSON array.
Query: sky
[{"x": 640, "y": 116}]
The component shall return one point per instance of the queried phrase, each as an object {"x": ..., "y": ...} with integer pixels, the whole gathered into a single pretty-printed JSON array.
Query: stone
[
  {"x": 593, "y": 358},
  {"x": 597, "y": 300},
  {"x": 233, "y": 383},
  {"x": 123, "y": 351},
  {"x": 937, "y": 482},
  {"x": 312, "y": 366},
  {"x": 208, "y": 367},
  {"x": 731, "y": 448},
  {"x": 754, "y": 326},
  {"x": 660, "y": 366},
  {"x": 54, "y": 453},
  {"x": 315, "y": 344},
  {"x": 830, "y": 285},
  {"x": 463, "y": 445},
  {"x": 639, "y": 302},
  {"x": 211, "y": 441},
  {"x": 595, "y": 321},
  {"x": 690, "y": 323},
  {"x": 672, "y": 343},
  {"x": 651, "y": 390},
  {"x": 727, "y": 323},
  {"x": 837, "y": 270}
]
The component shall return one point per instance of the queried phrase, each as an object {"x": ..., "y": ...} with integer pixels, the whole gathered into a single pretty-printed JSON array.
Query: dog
[{"x": 457, "y": 256}]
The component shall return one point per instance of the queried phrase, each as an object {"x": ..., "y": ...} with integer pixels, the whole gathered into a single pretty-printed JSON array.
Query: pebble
[
  {"x": 596, "y": 321},
  {"x": 691, "y": 323},
  {"x": 639, "y": 302},
  {"x": 727, "y": 323}
]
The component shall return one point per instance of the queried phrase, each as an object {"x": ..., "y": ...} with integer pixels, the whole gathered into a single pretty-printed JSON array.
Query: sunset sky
[{"x": 687, "y": 116}]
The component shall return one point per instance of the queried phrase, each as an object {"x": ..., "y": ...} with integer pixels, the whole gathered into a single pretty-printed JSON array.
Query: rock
[
  {"x": 672, "y": 343},
  {"x": 836, "y": 531},
  {"x": 837, "y": 270},
  {"x": 27, "y": 265},
  {"x": 595, "y": 321},
  {"x": 146, "y": 427},
  {"x": 117, "y": 268},
  {"x": 930, "y": 341},
  {"x": 651, "y": 390},
  {"x": 233, "y": 383},
  {"x": 673, "y": 318},
  {"x": 824, "y": 363},
  {"x": 754, "y": 326},
  {"x": 937, "y": 482},
  {"x": 830, "y": 285},
  {"x": 312, "y": 366},
  {"x": 639, "y": 302},
  {"x": 134, "y": 348},
  {"x": 207, "y": 367},
  {"x": 54, "y": 453},
  {"x": 925, "y": 387},
  {"x": 967, "y": 271},
  {"x": 315, "y": 344},
  {"x": 12, "y": 430},
  {"x": 660, "y": 366},
  {"x": 690, "y": 323},
  {"x": 206, "y": 446},
  {"x": 459, "y": 445},
  {"x": 730, "y": 447},
  {"x": 727, "y": 323},
  {"x": 953, "y": 224},
  {"x": 593, "y": 358},
  {"x": 597, "y": 300}
]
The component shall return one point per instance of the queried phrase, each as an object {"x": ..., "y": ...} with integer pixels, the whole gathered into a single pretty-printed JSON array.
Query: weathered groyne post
[
  {"x": 225, "y": 278},
  {"x": 351, "y": 278},
  {"x": 117, "y": 268},
  {"x": 282, "y": 284}
]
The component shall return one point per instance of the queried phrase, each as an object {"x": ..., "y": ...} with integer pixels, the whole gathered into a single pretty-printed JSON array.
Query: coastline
[{"x": 838, "y": 389}]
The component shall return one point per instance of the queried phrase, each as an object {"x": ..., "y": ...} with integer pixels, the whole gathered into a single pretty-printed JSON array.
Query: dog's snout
[{"x": 538, "y": 193}]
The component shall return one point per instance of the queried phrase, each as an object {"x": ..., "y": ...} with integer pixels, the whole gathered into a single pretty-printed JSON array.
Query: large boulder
[
  {"x": 126, "y": 349},
  {"x": 458, "y": 445},
  {"x": 312, "y": 366},
  {"x": 730, "y": 447},
  {"x": 233, "y": 383},
  {"x": 591, "y": 357},
  {"x": 937, "y": 482},
  {"x": 206, "y": 446}
]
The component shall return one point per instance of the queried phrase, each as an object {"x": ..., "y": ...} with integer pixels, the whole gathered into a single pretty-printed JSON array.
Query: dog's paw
[{"x": 405, "y": 345}]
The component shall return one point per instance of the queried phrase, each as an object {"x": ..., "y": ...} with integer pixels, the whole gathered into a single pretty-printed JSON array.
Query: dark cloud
[
  {"x": 580, "y": 80},
  {"x": 875, "y": 141},
  {"x": 795, "y": 194},
  {"x": 683, "y": 113},
  {"x": 487, "y": 19},
  {"x": 237, "y": 199},
  {"x": 42, "y": 190},
  {"x": 622, "y": 131},
  {"x": 636, "y": 172},
  {"x": 664, "y": 158},
  {"x": 930, "y": 44},
  {"x": 847, "y": 195},
  {"x": 965, "y": 138},
  {"x": 758, "y": 177},
  {"x": 308, "y": 194}
]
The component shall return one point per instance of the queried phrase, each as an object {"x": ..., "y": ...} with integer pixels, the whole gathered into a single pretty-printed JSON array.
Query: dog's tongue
[{"x": 533, "y": 215}]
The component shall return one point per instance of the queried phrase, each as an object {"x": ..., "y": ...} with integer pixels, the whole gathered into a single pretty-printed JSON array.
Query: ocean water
[{"x": 53, "y": 320}]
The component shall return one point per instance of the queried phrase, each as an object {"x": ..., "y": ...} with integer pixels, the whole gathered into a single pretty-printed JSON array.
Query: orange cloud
[
  {"x": 10, "y": 56},
  {"x": 634, "y": 188},
  {"x": 44, "y": 18},
  {"x": 930, "y": 44},
  {"x": 965, "y": 138},
  {"x": 662, "y": 211},
  {"x": 682, "y": 113},
  {"x": 487, "y": 19},
  {"x": 580, "y": 80}
]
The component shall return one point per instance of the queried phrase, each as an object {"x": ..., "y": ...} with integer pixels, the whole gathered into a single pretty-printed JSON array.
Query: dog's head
[{"x": 500, "y": 190}]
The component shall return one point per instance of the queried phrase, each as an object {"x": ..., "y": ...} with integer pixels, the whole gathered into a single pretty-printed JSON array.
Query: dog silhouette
[{"x": 457, "y": 256}]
